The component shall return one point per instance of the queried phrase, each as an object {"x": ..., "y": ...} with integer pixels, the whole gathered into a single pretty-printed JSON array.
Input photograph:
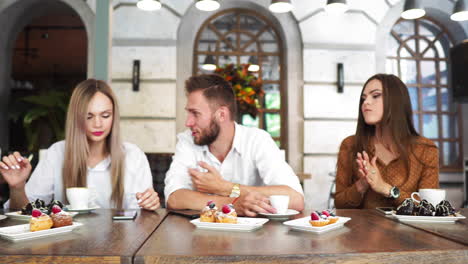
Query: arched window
[
  {"x": 235, "y": 36},
  {"x": 417, "y": 52}
]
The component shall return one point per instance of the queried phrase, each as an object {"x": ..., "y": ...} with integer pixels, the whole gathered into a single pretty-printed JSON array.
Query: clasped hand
[
  {"x": 15, "y": 170},
  {"x": 370, "y": 175},
  {"x": 210, "y": 181}
]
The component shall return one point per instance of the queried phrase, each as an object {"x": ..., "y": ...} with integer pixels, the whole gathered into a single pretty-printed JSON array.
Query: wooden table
[
  {"x": 457, "y": 232},
  {"x": 368, "y": 237},
  {"x": 99, "y": 240}
]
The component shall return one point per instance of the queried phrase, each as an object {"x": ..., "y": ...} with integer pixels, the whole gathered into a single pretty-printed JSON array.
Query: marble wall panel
[
  {"x": 323, "y": 136},
  {"x": 317, "y": 188},
  {"x": 152, "y": 136}
]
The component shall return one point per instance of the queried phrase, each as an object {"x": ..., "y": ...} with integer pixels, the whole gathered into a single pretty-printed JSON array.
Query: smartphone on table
[
  {"x": 124, "y": 215},
  {"x": 385, "y": 210},
  {"x": 191, "y": 214}
]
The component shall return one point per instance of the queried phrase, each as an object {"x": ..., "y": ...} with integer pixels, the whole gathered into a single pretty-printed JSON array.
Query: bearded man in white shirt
[{"x": 220, "y": 160}]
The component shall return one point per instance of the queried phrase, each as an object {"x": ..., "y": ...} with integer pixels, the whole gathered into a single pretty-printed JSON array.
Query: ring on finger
[{"x": 373, "y": 171}]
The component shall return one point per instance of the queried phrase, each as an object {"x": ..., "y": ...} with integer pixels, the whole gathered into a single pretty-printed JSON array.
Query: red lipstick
[{"x": 98, "y": 133}]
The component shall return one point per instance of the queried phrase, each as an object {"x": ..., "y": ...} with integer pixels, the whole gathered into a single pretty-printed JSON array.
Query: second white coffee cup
[
  {"x": 280, "y": 203},
  {"x": 434, "y": 196},
  {"x": 78, "y": 197}
]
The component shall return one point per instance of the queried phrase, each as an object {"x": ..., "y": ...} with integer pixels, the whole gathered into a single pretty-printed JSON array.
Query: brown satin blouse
[{"x": 423, "y": 173}]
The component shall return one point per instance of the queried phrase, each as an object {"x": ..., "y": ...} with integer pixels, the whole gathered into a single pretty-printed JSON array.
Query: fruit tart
[
  {"x": 39, "y": 221},
  {"x": 209, "y": 212},
  {"x": 227, "y": 214},
  {"x": 317, "y": 220},
  {"x": 332, "y": 218},
  {"x": 60, "y": 218}
]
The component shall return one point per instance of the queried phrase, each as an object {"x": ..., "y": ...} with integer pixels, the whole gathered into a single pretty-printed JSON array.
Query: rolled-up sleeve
[{"x": 177, "y": 177}]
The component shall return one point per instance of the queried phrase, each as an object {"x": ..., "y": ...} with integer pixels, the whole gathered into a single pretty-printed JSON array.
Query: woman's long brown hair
[
  {"x": 75, "y": 169},
  {"x": 397, "y": 118}
]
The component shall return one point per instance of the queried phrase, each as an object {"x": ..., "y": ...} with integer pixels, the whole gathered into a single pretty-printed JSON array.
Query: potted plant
[
  {"x": 38, "y": 113},
  {"x": 247, "y": 88}
]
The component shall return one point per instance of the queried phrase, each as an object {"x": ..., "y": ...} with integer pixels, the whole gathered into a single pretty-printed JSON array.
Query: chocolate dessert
[{"x": 406, "y": 208}]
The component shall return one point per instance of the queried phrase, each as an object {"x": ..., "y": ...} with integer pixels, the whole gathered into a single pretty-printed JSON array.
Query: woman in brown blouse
[{"x": 386, "y": 160}]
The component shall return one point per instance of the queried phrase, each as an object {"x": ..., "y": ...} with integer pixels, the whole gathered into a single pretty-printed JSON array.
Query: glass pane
[
  {"x": 408, "y": 71},
  {"x": 404, "y": 28},
  {"x": 429, "y": 99},
  {"x": 430, "y": 127},
  {"x": 429, "y": 53},
  {"x": 225, "y": 23},
  {"x": 422, "y": 45},
  {"x": 272, "y": 96},
  {"x": 268, "y": 42},
  {"x": 416, "y": 122},
  {"x": 273, "y": 124},
  {"x": 449, "y": 126},
  {"x": 428, "y": 71},
  {"x": 413, "y": 93},
  {"x": 443, "y": 72},
  {"x": 405, "y": 53},
  {"x": 247, "y": 120},
  {"x": 444, "y": 94},
  {"x": 450, "y": 154},
  {"x": 225, "y": 59},
  {"x": 428, "y": 29},
  {"x": 412, "y": 46},
  {"x": 278, "y": 143},
  {"x": 270, "y": 68}
]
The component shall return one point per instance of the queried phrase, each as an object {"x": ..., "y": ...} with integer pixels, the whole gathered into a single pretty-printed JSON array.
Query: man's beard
[{"x": 208, "y": 135}]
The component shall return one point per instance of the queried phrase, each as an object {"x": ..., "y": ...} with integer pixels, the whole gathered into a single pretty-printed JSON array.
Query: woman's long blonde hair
[{"x": 75, "y": 169}]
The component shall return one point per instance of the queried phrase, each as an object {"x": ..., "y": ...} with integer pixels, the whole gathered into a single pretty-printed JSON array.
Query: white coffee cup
[
  {"x": 78, "y": 197},
  {"x": 280, "y": 203},
  {"x": 433, "y": 196}
]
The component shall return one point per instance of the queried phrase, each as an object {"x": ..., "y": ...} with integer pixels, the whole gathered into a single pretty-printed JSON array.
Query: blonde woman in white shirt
[
  {"x": 92, "y": 156},
  {"x": 220, "y": 160}
]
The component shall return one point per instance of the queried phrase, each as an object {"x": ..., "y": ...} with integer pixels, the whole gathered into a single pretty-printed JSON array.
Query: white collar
[{"x": 102, "y": 165}]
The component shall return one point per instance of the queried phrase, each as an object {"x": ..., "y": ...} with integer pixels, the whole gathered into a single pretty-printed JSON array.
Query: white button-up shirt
[
  {"x": 46, "y": 182},
  {"x": 253, "y": 160}
]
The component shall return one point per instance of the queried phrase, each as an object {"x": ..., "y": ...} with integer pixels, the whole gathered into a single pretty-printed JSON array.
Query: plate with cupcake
[
  {"x": 318, "y": 222},
  {"x": 226, "y": 219},
  {"x": 40, "y": 225}
]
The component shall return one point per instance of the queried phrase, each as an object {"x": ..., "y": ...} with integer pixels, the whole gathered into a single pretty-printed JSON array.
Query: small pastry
[
  {"x": 332, "y": 218},
  {"x": 60, "y": 218},
  {"x": 424, "y": 209},
  {"x": 406, "y": 208},
  {"x": 317, "y": 221},
  {"x": 208, "y": 213},
  {"x": 39, "y": 221},
  {"x": 227, "y": 215},
  {"x": 444, "y": 208}
]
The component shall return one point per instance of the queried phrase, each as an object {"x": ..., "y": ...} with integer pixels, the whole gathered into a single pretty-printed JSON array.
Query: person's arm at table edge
[
  {"x": 296, "y": 199},
  {"x": 189, "y": 199}
]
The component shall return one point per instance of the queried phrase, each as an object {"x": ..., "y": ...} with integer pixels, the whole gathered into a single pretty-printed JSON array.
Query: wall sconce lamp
[
  {"x": 460, "y": 11},
  {"x": 136, "y": 76},
  {"x": 413, "y": 9},
  {"x": 280, "y": 6},
  {"x": 207, "y": 5},
  {"x": 253, "y": 61},
  {"x": 340, "y": 78},
  {"x": 336, "y": 7},
  {"x": 149, "y": 5}
]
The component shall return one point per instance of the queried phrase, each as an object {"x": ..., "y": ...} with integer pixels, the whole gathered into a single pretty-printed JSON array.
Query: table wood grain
[
  {"x": 368, "y": 237},
  {"x": 457, "y": 231},
  {"x": 99, "y": 240}
]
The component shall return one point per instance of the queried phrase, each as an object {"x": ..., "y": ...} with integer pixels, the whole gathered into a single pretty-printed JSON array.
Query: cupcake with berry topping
[
  {"x": 39, "y": 221},
  {"x": 227, "y": 214},
  {"x": 209, "y": 212},
  {"x": 60, "y": 218},
  {"x": 332, "y": 218},
  {"x": 317, "y": 220}
]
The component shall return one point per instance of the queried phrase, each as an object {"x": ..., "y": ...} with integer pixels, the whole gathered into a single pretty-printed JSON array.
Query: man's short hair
[{"x": 216, "y": 90}]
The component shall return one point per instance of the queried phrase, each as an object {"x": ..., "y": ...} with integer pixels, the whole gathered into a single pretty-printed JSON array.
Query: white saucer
[
  {"x": 82, "y": 210},
  {"x": 2, "y": 217},
  {"x": 289, "y": 212}
]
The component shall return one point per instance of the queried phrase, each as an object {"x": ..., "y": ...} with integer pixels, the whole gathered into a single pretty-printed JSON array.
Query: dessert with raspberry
[
  {"x": 332, "y": 218},
  {"x": 318, "y": 220},
  {"x": 227, "y": 214},
  {"x": 60, "y": 218},
  {"x": 208, "y": 213},
  {"x": 39, "y": 221}
]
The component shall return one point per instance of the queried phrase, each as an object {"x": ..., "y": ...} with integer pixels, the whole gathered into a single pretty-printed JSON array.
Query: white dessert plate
[
  {"x": 18, "y": 216},
  {"x": 81, "y": 211},
  {"x": 302, "y": 224},
  {"x": 289, "y": 212},
  {"x": 21, "y": 232},
  {"x": 2, "y": 217},
  {"x": 428, "y": 219},
  {"x": 244, "y": 224}
]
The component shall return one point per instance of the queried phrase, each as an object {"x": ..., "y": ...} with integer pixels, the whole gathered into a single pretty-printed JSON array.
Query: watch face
[{"x": 395, "y": 192}]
